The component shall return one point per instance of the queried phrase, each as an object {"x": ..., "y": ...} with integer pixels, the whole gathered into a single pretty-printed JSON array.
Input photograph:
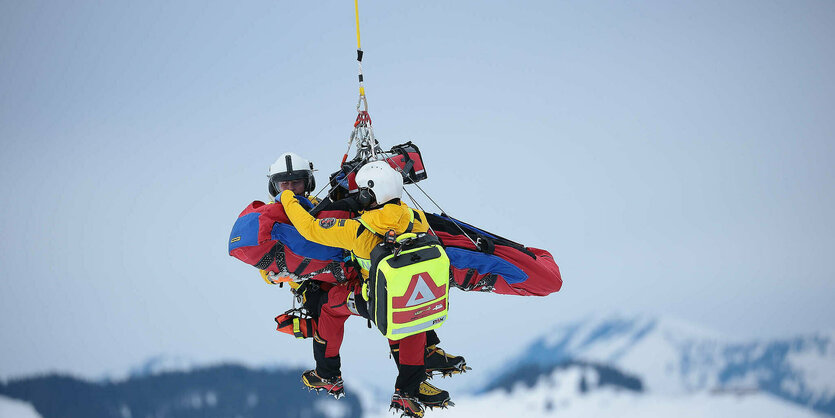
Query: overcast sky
[{"x": 676, "y": 158}]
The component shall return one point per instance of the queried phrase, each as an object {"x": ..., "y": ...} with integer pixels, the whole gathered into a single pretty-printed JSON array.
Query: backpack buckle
[{"x": 390, "y": 237}]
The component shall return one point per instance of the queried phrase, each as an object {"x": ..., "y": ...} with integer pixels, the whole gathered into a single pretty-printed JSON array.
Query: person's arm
[
  {"x": 348, "y": 204},
  {"x": 329, "y": 231}
]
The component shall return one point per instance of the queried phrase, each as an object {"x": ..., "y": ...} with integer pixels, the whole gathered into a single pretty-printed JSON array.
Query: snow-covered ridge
[
  {"x": 574, "y": 391},
  {"x": 674, "y": 358},
  {"x": 17, "y": 409}
]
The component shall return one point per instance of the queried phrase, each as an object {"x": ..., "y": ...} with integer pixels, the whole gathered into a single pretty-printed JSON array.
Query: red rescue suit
[{"x": 352, "y": 235}]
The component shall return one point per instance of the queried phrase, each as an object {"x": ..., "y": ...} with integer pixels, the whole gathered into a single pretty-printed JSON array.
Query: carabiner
[{"x": 362, "y": 102}]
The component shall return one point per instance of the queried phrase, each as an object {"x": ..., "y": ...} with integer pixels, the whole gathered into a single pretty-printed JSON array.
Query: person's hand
[{"x": 286, "y": 194}]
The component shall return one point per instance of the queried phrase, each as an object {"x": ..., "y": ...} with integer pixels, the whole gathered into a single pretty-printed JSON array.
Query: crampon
[
  {"x": 428, "y": 396},
  {"x": 439, "y": 363},
  {"x": 408, "y": 406},
  {"x": 334, "y": 387}
]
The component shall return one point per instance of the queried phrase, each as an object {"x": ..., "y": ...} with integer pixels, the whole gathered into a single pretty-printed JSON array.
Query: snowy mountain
[
  {"x": 674, "y": 359},
  {"x": 612, "y": 366},
  {"x": 577, "y": 391}
]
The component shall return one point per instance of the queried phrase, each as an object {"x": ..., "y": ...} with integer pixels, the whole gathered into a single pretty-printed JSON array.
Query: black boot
[{"x": 439, "y": 362}]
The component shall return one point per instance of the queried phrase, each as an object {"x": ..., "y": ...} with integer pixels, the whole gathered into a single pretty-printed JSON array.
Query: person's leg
[
  {"x": 411, "y": 369},
  {"x": 432, "y": 338},
  {"x": 411, "y": 372},
  {"x": 326, "y": 343},
  {"x": 436, "y": 360},
  {"x": 411, "y": 391},
  {"x": 331, "y": 328}
]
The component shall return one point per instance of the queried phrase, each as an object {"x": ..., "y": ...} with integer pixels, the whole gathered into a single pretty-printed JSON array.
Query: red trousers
[{"x": 331, "y": 329}]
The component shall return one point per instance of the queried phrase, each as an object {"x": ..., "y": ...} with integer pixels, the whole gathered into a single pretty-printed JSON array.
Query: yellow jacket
[{"x": 353, "y": 234}]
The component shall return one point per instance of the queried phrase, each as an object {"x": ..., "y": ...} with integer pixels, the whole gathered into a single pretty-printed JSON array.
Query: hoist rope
[
  {"x": 415, "y": 202},
  {"x": 357, "y": 14},
  {"x": 362, "y": 99},
  {"x": 363, "y": 133}
]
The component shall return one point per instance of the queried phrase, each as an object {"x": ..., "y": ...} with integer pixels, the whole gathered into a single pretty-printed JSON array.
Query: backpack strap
[
  {"x": 368, "y": 227},
  {"x": 411, "y": 220},
  {"x": 416, "y": 215}
]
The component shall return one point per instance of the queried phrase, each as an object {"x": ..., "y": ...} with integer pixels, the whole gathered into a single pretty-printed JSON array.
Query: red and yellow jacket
[{"x": 355, "y": 235}]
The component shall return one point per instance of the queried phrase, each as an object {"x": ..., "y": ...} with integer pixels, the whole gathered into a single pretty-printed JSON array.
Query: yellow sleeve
[{"x": 332, "y": 232}]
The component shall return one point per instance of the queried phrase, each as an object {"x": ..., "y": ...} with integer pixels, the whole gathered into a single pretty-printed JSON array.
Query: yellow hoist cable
[
  {"x": 359, "y": 52},
  {"x": 357, "y": 14}
]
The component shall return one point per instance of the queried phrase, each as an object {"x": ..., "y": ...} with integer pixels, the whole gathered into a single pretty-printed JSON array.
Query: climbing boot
[
  {"x": 433, "y": 397},
  {"x": 334, "y": 387},
  {"x": 408, "y": 406},
  {"x": 438, "y": 362}
]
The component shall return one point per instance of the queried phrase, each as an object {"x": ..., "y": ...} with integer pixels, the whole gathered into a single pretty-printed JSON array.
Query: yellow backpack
[{"x": 408, "y": 284}]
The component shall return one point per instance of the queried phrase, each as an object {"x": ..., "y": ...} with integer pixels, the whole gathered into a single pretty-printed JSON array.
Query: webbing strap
[
  {"x": 297, "y": 328},
  {"x": 467, "y": 278},
  {"x": 303, "y": 265},
  {"x": 364, "y": 263},
  {"x": 362, "y": 222}
]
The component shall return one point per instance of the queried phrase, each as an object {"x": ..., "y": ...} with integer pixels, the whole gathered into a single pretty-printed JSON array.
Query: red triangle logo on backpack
[{"x": 422, "y": 289}]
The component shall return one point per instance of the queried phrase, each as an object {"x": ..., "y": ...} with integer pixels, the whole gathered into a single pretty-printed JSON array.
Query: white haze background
[{"x": 675, "y": 158}]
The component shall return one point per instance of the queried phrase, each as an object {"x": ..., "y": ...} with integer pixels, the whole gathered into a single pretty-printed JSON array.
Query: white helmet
[
  {"x": 381, "y": 180},
  {"x": 290, "y": 166}
]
